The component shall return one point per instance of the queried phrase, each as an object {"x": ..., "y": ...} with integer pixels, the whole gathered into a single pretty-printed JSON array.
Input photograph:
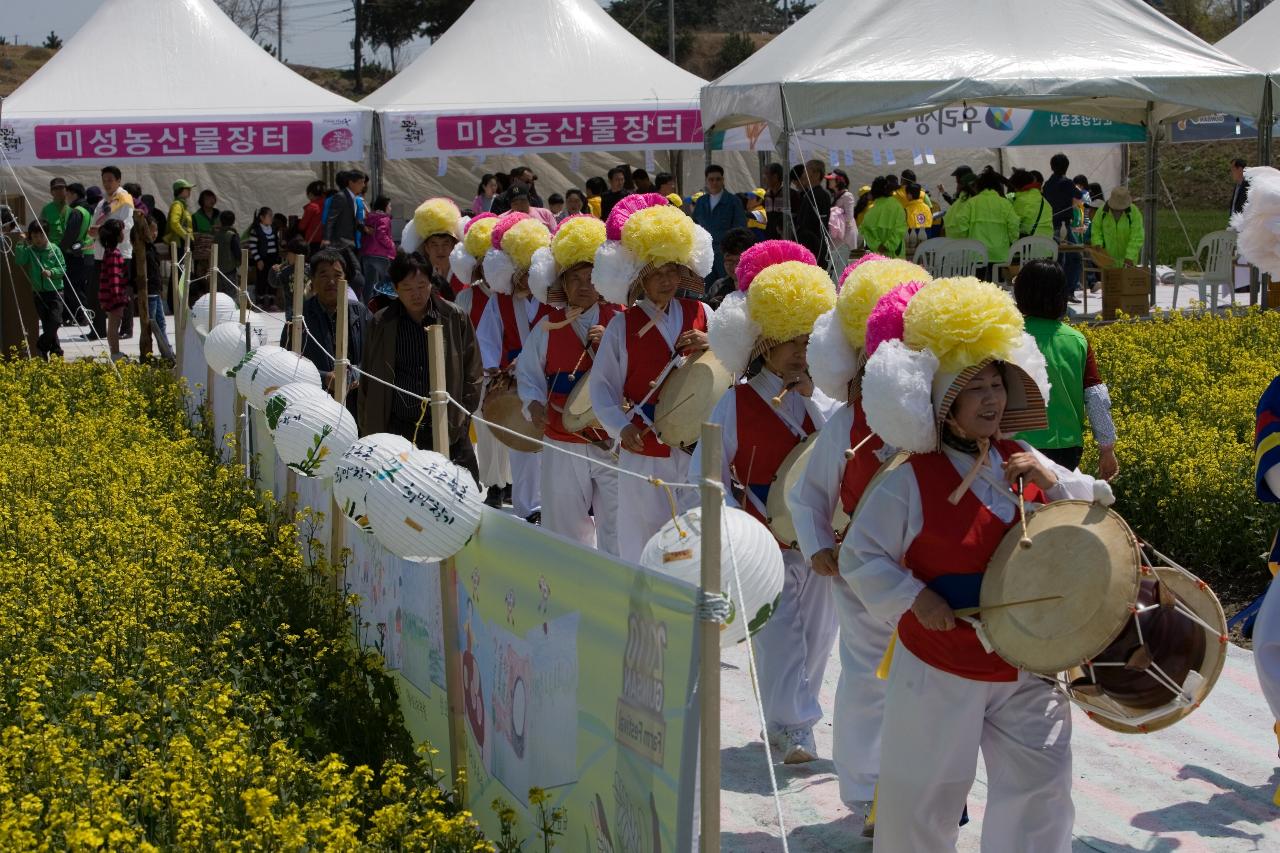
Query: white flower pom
[
  {"x": 542, "y": 273},
  {"x": 462, "y": 264},
  {"x": 833, "y": 362},
  {"x": 614, "y": 271},
  {"x": 1027, "y": 356},
  {"x": 410, "y": 240},
  {"x": 704, "y": 254},
  {"x": 499, "y": 270},
  {"x": 1258, "y": 225},
  {"x": 732, "y": 333},
  {"x": 897, "y": 396}
]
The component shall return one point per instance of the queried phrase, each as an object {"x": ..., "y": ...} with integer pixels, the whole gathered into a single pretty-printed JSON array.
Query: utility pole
[
  {"x": 280, "y": 30},
  {"x": 357, "y": 46},
  {"x": 671, "y": 30}
]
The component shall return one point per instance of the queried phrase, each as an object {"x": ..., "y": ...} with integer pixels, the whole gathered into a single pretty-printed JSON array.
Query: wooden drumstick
[
  {"x": 852, "y": 451},
  {"x": 790, "y": 386},
  {"x": 648, "y": 429},
  {"x": 974, "y": 611},
  {"x": 1025, "y": 541}
]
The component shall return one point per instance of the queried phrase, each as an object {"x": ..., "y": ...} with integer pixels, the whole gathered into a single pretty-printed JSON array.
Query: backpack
[{"x": 836, "y": 226}]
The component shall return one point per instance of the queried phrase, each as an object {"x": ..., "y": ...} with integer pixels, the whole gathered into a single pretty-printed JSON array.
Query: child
[
  {"x": 228, "y": 243},
  {"x": 378, "y": 248},
  {"x": 46, "y": 269},
  {"x": 757, "y": 219},
  {"x": 555, "y": 203},
  {"x": 264, "y": 253},
  {"x": 155, "y": 293},
  {"x": 113, "y": 292}
]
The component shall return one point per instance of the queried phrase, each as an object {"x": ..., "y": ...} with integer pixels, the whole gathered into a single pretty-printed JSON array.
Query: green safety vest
[{"x": 1065, "y": 350}]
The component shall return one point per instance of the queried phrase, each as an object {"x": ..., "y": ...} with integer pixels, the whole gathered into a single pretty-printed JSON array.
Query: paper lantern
[
  {"x": 243, "y": 372},
  {"x": 273, "y": 368},
  {"x": 743, "y": 541},
  {"x": 360, "y": 463},
  {"x": 279, "y": 399},
  {"x": 423, "y": 507},
  {"x": 224, "y": 307},
  {"x": 312, "y": 433},
  {"x": 225, "y": 346}
]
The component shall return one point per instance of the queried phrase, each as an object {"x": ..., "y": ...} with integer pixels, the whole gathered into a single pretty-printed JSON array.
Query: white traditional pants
[
  {"x": 642, "y": 507},
  {"x": 934, "y": 725},
  {"x": 492, "y": 457},
  {"x": 793, "y": 646},
  {"x": 1266, "y": 647},
  {"x": 859, "y": 707},
  {"x": 526, "y": 483},
  {"x": 581, "y": 498}
]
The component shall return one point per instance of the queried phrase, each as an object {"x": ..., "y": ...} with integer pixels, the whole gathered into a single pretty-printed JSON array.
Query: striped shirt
[{"x": 412, "y": 368}]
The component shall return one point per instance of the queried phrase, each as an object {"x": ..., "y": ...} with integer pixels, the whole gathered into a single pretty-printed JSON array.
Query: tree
[
  {"x": 255, "y": 17},
  {"x": 52, "y": 41},
  {"x": 734, "y": 50}
]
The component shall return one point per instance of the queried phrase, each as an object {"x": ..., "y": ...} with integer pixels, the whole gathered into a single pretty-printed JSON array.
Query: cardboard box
[
  {"x": 1126, "y": 281},
  {"x": 1130, "y": 305}
]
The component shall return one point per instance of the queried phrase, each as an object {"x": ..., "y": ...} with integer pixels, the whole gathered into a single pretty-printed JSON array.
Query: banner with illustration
[{"x": 949, "y": 127}]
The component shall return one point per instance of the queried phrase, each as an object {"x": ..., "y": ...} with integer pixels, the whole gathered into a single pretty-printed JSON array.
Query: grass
[{"x": 1172, "y": 242}]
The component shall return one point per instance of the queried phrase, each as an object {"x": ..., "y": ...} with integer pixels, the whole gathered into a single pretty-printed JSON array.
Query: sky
[{"x": 317, "y": 32}]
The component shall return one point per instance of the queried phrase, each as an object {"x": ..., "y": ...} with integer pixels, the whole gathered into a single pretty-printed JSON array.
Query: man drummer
[
  {"x": 580, "y": 487},
  {"x": 836, "y": 476},
  {"x": 660, "y": 251},
  {"x": 919, "y": 547},
  {"x": 764, "y": 332},
  {"x": 1266, "y": 629},
  {"x": 505, "y": 325}
]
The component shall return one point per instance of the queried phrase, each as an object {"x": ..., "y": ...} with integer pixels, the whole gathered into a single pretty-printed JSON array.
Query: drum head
[
  {"x": 688, "y": 396},
  {"x": 578, "y": 414},
  {"x": 503, "y": 407},
  {"x": 1200, "y": 600},
  {"x": 1080, "y": 551},
  {"x": 789, "y": 473}
]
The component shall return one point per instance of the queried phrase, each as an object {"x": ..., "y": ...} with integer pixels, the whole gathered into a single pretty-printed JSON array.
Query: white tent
[
  {"x": 874, "y": 61},
  {"x": 174, "y": 81},
  {"x": 537, "y": 75},
  {"x": 1254, "y": 42}
]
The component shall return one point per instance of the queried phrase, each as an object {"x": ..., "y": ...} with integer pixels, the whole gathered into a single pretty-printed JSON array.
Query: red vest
[
  {"x": 763, "y": 443},
  {"x": 859, "y": 470},
  {"x": 511, "y": 343},
  {"x": 567, "y": 363},
  {"x": 646, "y": 356},
  {"x": 479, "y": 299},
  {"x": 951, "y": 555}
]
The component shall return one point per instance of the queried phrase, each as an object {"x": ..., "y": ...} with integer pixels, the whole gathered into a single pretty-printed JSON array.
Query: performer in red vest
[
  {"x": 917, "y": 551},
  {"x": 762, "y": 330},
  {"x": 650, "y": 253},
  {"x": 580, "y": 486},
  {"x": 846, "y": 455},
  {"x": 505, "y": 325}
]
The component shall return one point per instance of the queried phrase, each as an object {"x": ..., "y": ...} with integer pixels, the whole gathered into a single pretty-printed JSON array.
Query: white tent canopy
[
  {"x": 567, "y": 78},
  {"x": 875, "y": 61},
  {"x": 1254, "y": 42},
  {"x": 200, "y": 90}
]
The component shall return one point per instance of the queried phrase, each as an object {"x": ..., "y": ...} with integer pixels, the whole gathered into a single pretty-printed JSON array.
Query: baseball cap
[
  {"x": 962, "y": 170},
  {"x": 58, "y": 182},
  {"x": 517, "y": 192},
  {"x": 182, "y": 184}
]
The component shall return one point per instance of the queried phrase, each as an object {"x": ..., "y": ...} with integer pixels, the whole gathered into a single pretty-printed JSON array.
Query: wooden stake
[
  {"x": 448, "y": 573},
  {"x": 242, "y": 296},
  {"x": 709, "y": 665},
  {"x": 337, "y": 529},
  {"x": 178, "y": 310},
  {"x": 211, "y": 278},
  {"x": 140, "y": 278},
  {"x": 295, "y": 344}
]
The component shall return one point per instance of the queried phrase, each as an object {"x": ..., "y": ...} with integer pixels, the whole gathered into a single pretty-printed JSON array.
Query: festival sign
[
  {"x": 432, "y": 135},
  {"x": 31, "y": 142}
]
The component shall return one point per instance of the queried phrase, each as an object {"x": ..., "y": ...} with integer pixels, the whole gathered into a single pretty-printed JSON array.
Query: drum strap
[{"x": 658, "y": 321}]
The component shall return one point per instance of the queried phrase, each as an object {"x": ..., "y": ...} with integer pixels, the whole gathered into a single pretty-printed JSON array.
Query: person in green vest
[
  {"x": 988, "y": 218},
  {"x": 1035, "y": 218},
  {"x": 204, "y": 219},
  {"x": 55, "y": 212},
  {"x": 180, "y": 229},
  {"x": 966, "y": 187},
  {"x": 884, "y": 226},
  {"x": 1118, "y": 230},
  {"x": 1077, "y": 392},
  {"x": 42, "y": 262}
]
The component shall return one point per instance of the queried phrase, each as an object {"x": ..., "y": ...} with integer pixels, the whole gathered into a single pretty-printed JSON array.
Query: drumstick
[
  {"x": 852, "y": 451},
  {"x": 650, "y": 427},
  {"x": 973, "y": 611},
  {"x": 1025, "y": 541},
  {"x": 777, "y": 401}
]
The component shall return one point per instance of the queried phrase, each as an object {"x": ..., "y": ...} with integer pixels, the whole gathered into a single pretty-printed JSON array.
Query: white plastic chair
[
  {"x": 1218, "y": 248},
  {"x": 962, "y": 258},
  {"x": 1025, "y": 249},
  {"x": 928, "y": 253}
]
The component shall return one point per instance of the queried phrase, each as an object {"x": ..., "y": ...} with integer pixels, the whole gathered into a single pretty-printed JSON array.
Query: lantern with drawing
[
  {"x": 749, "y": 555},
  {"x": 422, "y": 507},
  {"x": 270, "y": 367},
  {"x": 226, "y": 346},
  {"x": 312, "y": 432},
  {"x": 360, "y": 463}
]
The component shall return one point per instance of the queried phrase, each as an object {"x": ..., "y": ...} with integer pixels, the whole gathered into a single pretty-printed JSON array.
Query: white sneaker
[{"x": 797, "y": 745}]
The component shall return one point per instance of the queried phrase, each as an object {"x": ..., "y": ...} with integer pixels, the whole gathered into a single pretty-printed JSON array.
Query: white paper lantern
[
  {"x": 361, "y": 462},
  {"x": 225, "y": 346},
  {"x": 743, "y": 540},
  {"x": 224, "y": 307},
  {"x": 243, "y": 372},
  {"x": 274, "y": 368},
  {"x": 312, "y": 434},
  {"x": 279, "y": 399},
  {"x": 423, "y": 507}
]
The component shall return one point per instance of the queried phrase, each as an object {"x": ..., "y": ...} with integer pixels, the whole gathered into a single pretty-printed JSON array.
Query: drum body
[
  {"x": 502, "y": 406},
  {"x": 789, "y": 474},
  {"x": 578, "y": 414},
  {"x": 688, "y": 396}
]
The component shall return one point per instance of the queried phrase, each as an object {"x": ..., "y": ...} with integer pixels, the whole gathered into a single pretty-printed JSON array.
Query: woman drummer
[
  {"x": 763, "y": 329},
  {"x": 921, "y": 543}
]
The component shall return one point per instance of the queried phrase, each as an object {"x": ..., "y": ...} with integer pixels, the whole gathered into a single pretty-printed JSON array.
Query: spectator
[
  {"x": 379, "y": 248},
  {"x": 205, "y": 217},
  {"x": 919, "y": 213},
  {"x": 987, "y": 217},
  {"x": 280, "y": 223},
  {"x": 776, "y": 202},
  {"x": 575, "y": 202},
  {"x": 264, "y": 253},
  {"x": 227, "y": 239},
  {"x": 522, "y": 177},
  {"x": 596, "y": 188},
  {"x": 1082, "y": 185},
  {"x": 320, "y": 318},
  {"x": 736, "y": 241},
  {"x": 664, "y": 183},
  {"x": 640, "y": 179},
  {"x": 486, "y": 192},
  {"x": 117, "y": 205},
  {"x": 555, "y": 204},
  {"x": 718, "y": 211},
  {"x": 1118, "y": 230},
  {"x": 1061, "y": 193},
  {"x": 884, "y": 224},
  {"x": 312, "y": 223},
  {"x": 344, "y": 212},
  {"x": 1078, "y": 389},
  {"x": 113, "y": 291},
  {"x": 814, "y": 213},
  {"x": 155, "y": 291},
  {"x": 397, "y": 353},
  {"x": 77, "y": 251},
  {"x": 959, "y": 173},
  {"x": 180, "y": 228},
  {"x": 1240, "y": 194},
  {"x": 1034, "y": 216},
  {"x": 616, "y": 192},
  {"x": 282, "y": 273},
  {"x": 842, "y": 227},
  {"x": 757, "y": 219},
  {"x": 520, "y": 202},
  {"x": 42, "y": 261},
  {"x": 909, "y": 177},
  {"x": 54, "y": 214}
]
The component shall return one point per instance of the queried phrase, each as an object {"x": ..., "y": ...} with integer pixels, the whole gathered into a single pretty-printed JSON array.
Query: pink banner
[
  {"x": 621, "y": 129},
  {"x": 165, "y": 139}
]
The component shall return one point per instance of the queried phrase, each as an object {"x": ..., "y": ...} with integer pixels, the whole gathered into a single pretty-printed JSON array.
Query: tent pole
[
  {"x": 1153, "y": 144},
  {"x": 375, "y": 156},
  {"x": 1257, "y": 282},
  {"x": 784, "y": 151}
]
